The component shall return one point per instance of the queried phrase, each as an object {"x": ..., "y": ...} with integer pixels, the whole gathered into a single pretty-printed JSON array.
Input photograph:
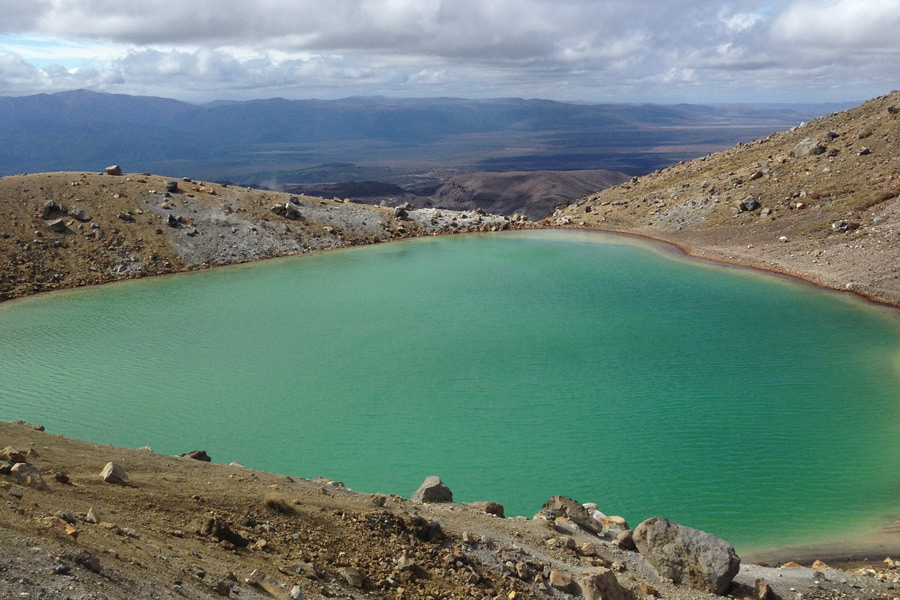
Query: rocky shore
[
  {"x": 65, "y": 230},
  {"x": 820, "y": 202},
  {"x": 82, "y": 520}
]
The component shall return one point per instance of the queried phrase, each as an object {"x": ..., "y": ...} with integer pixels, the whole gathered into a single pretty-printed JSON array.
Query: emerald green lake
[{"x": 514, "y": 366}]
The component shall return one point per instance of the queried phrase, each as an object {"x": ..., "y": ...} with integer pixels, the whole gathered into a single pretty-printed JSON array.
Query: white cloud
[
  {"x": 840, "y": 25},
  {"x": 625, "y": 50}
]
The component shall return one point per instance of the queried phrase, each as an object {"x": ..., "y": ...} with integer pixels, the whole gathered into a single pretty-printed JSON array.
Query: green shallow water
[{"x": 515, "y": 366}]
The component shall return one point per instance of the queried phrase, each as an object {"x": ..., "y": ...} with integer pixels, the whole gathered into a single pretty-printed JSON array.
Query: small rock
[
  {"x": 5, "y": 467},
  {"x": 432, "y": 490},
  {"x": 259, "y": 579},
  {"x": 114, "y": 473},
  {"x": 16, "y": 493},
  {"x": 491, "y": 508},
  {"x": 57, "y": 225},
  {"x": 783, "y": 239},
  {"x": 764, "y": 591},
  {"x": 749, "y": 204},
  {"x": 49, "y": 207},
  {"x": 296, "y": 593},
  {"x": 625, "y": 540},
  {"x": 127, "y": 217},
  {"x": 200, "y": 455},
  {"x": 61, "y": 477},
  {"x": 92, "y": 516},
  {"x": 840, "y": 226},
  {"x": 864, "y": 151},
  {"x": 819, "y": 565},
  {"x": 79, "y": 214},
  {"x": 27, "y": 475},
  {"x": 113, "y": 170},
  {"x": 223, "y": 588},
  {"x": 602, "y": 585},
  {"x": 171, "y": 186},
  {"x": 791, "y": 565},
  {"x": 12, "y": 455},
  {"x": 560, "y": 580},
  {"x": 352, "y": 576},
  {"x": 61, "y": 569},
  {"x": 806, "y": 147}
]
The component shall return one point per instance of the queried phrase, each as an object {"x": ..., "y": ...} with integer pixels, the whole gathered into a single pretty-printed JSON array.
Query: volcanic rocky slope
[
  {"x": 63, "y": 230},
  {"x": 820, "y": 201},
  {"x": 87, "y": 521}
]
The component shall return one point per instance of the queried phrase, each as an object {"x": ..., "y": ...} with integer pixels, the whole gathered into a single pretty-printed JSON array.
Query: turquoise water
[{"x": 515, "y": 366}]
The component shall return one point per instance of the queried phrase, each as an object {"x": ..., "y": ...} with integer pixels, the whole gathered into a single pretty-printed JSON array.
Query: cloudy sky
[{"x": 580, "y": 50}]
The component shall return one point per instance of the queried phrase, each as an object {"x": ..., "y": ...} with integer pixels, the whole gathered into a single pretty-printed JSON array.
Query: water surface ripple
[{"x": 514, "y": 366}]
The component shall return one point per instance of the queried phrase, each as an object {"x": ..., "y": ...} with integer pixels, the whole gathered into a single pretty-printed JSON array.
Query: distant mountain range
[{"x": 279, "y": 141}]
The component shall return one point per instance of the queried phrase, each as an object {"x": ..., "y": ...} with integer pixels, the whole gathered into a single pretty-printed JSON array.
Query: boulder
[
  {"x": 560, "y": 506},
  {"x": 5, "y": 467},
  {"x": 57, "y": 225},
  {"x": 432, "y": 490},
  {"x": 687, "y": 555},
  {"x": 400, "y": 212},
  {"x": 219, "y": 529},
  {"x": 602, "y": 585},
  {"x": 49, "y": 208},
  {"x": 806, "y": 147},
  {"x": 113, "y": 170},
  {"x": 200, "y": 455},
  {"x": 625, "y": 539},
  {"x": 492, "y": 508},
  {"x": 12, "y": 455},
  {"x": 171, "y": 186},
  {"x": 352, "y": 576},
  {"x": 79, "y": 214},
  {"x": 114, "y": 473},
  {"x": 749, "y": 204},
  {"x": 27, "y": 475}
]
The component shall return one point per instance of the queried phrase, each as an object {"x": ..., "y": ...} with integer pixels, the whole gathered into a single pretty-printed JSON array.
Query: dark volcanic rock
[{"x": 200, "y": 455}]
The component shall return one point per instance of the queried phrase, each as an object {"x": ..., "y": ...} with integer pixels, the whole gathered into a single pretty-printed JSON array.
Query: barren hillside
[
  {"x": 62, "y": 230},
  {"x": 820, "y": 200}
]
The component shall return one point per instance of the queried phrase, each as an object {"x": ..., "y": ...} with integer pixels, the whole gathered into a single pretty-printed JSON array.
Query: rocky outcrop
[
  {"x": 687, "y": 555},
  {"x": 432, "y": 490}
]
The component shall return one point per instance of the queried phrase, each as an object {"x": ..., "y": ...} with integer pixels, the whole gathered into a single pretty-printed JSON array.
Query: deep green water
[{"x": 515, "y": 366}]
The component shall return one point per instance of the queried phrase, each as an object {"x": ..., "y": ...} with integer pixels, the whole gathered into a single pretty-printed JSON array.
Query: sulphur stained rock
[{"x": 687, "y": 555}]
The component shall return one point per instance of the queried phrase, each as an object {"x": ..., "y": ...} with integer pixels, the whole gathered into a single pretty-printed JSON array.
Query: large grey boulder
[
  {"x": 27, "y": 475},
  {"x": 687, "y": 555},
  {"x": 113, "y": 170},
  {"x": 432, "y": 490}
]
